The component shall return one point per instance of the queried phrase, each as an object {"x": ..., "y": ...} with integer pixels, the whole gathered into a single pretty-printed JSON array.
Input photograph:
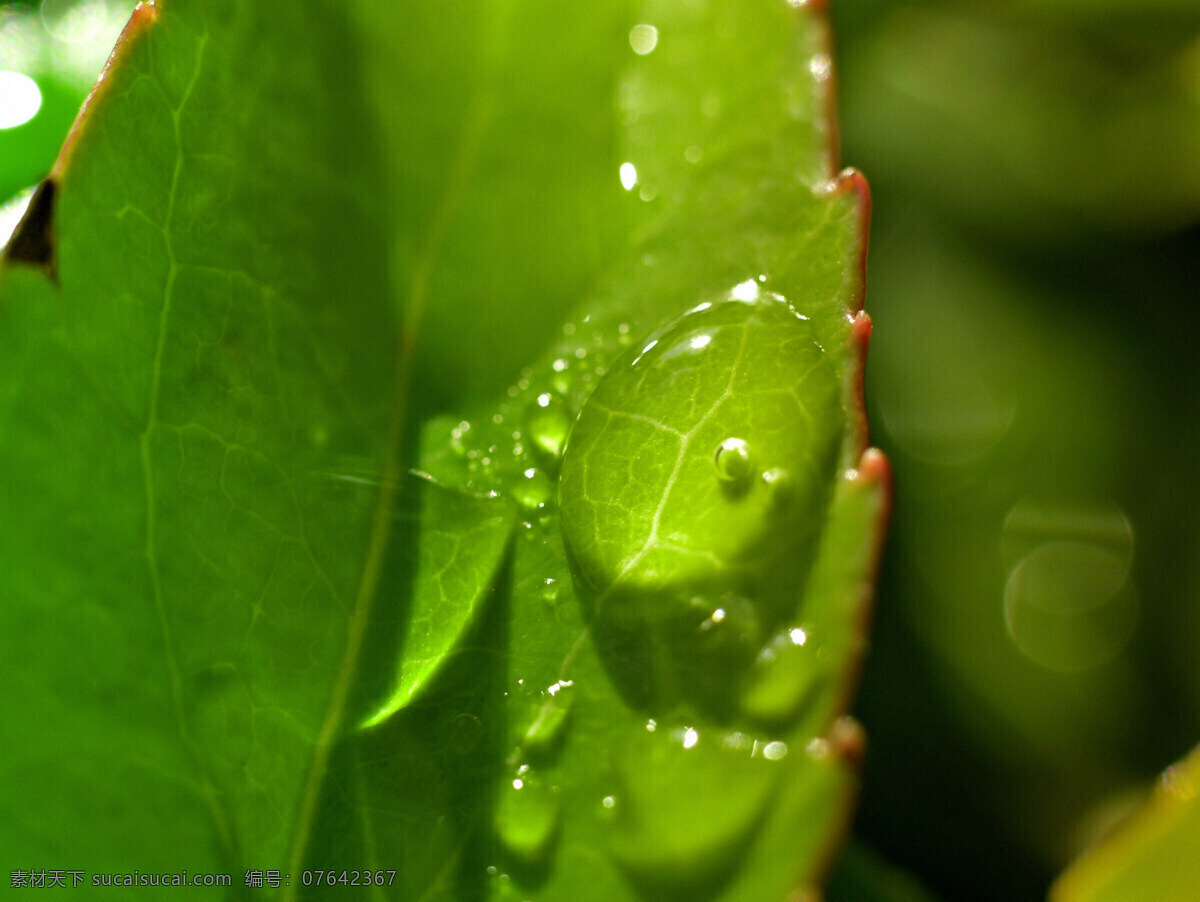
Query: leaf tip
[{"x": 144, "y": 15}]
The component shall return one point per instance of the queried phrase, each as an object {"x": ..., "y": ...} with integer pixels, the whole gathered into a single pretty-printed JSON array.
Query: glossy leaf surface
[{"x": 283, "y": 427}]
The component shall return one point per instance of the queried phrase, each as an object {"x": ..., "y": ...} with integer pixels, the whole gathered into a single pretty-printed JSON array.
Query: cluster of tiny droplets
[{"x": 516, "y": 451}]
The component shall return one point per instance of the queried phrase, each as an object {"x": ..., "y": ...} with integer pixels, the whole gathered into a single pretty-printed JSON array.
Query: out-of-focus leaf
[
  {"x": 862, "y": 876},
  {"x": 1033, "y": 129},
  {"x": 1153, "y": 856}
]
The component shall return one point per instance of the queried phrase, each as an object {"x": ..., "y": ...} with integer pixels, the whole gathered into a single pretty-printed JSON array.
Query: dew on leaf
[
  {"x": 732, "y": 460},
  {"x": 780, "y": 486},
  {"x": 532, "y": 490},
  {"x": 526, "y": 818},
  {"x": 551, "y": 717},
  {"x": 738, "y": 384},
  {"x": 547, "y": 426},
  {"x": 784, "y": 680},
  {"x": 666, "y": 834}
]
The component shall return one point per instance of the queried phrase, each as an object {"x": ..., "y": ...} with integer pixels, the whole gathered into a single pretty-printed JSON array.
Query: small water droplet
[
  {"x": 785, "y": 679},
  {"x": 551, "y": 717},
  {"x": 666, "y": 836},
  {"x": 774, "y": 751},
  {"x": 551, "y": 590},
  {"x": 548, "y": 425},
  {"x": 733, "y": 461},
  {"x": 820, "y": 66},
  {"x": 817, "y": 748},
  {"x": 526, "y": 818},
  {"x": 781, "y": 487},
  {"x": 532, "y": 490},
  {"x": 643, "y": 39}
]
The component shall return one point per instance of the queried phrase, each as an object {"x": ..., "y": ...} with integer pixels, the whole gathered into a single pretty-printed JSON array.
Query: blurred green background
[
  {"x": 1034, "y": 279},
  {"x": 1034, "y": 276}
]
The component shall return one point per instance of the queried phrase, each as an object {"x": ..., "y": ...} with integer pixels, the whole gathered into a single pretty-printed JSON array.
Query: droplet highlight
[{"x": 732, "y": 460}]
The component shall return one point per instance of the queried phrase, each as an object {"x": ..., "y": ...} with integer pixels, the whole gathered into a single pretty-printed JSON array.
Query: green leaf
[
  {"x": 1152, "y": 856},
  {"x": 460, "y": 540},
  {"x": 304, "y": 254}
]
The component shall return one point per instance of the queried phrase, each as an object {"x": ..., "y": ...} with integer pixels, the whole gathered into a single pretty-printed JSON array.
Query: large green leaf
[{"x": 284, "y": 414}]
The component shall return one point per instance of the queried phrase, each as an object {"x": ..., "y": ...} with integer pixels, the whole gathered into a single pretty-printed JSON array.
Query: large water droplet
[
  {"x": 526, "y": 817},
  {"x": 741, "y": 384},
  {"x": 690, "y": 805}
]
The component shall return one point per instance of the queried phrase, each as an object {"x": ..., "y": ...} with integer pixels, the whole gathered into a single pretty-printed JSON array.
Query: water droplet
[
  {"x": 532, "y": 490},
  {"x": 668, "y": 836},
  {"x": 780, "y": 487},
  {"x": 774, "y": 751},
  {"x": 628, "y": 173},
  {"x": 785, "y": 679},
  {"x": 551, "y": 717},
  {"x": 649, "y": 529},
  {"x": 732, "y": 460},
  {"x": 526, "y": 818},
  {"x": 820, "y": 66},
  {"x": 548, "y": 424},
  {"x": 550, "y": 590},
  {"x": 643, "y": 39}
]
